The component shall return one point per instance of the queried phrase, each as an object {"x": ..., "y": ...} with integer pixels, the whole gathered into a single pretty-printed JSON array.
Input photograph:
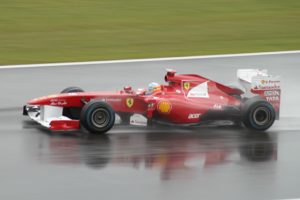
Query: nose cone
[{"x": 45, "y": 100}]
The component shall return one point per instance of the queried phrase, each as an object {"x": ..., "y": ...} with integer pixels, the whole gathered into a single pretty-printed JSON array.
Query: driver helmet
[{"x": 153, "y": 87}]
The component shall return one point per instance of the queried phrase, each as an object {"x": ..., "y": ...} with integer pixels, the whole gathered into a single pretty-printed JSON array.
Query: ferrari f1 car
[{"x": 185, "y": 99}]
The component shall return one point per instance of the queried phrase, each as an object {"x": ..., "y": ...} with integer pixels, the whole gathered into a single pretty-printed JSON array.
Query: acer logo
[{"x": 194, "y": 115}]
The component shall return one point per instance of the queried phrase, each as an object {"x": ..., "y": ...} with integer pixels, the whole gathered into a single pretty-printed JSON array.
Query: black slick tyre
[
  {"x": 258, "y": 114},
  {"x": 97, "y": 117}
]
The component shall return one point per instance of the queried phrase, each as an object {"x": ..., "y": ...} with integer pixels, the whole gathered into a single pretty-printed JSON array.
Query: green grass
[{"x": 37, "y": 31}]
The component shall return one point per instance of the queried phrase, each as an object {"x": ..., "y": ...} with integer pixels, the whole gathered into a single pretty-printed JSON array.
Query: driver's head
[{"x": 153, "y": 87}]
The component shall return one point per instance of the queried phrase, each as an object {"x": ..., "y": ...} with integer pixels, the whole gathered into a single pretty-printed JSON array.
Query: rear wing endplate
[{"x": 259, "y": 82}]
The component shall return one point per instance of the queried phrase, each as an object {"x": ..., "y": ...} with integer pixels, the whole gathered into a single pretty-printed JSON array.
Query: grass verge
[{"x": 35, "y": 31}]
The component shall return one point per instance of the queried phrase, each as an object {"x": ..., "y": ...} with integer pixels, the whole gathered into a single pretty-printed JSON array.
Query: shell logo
[
  {"x": 164, "y": 107},
  {"x": 263, "y": 82}
]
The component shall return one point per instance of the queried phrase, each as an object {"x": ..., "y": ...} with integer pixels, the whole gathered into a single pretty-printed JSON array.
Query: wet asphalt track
[{"x": 140, "y": 163}]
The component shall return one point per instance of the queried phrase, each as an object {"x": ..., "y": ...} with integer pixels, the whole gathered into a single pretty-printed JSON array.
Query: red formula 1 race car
[{"x": 185, "y": 99}]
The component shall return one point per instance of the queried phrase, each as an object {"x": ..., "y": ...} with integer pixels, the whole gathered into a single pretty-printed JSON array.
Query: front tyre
[
  {"x": 258, "y": 114},
  {"x": 72, "y": 112},
  {"x": 72, "y": 89},
  {"x": 97, "y": 117}
]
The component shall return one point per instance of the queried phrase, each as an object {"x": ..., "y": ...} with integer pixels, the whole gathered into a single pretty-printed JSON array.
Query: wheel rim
[
  {"x": 261, "y": 116},
  {"x": 100, "y": 118}
]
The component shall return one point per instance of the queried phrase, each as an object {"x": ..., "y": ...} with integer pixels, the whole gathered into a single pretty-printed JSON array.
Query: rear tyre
[
  {"x": 72, "y": 89},
  {"x": 97, "y": 117},
  {"x": 258, "y": 114}
]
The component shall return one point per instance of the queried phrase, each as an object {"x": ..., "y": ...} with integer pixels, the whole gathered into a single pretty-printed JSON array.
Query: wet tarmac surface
[{"x": 140, "y": 163}]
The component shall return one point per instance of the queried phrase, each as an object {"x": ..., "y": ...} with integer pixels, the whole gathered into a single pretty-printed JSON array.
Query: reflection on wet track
[{"x": 175, "y": 154}]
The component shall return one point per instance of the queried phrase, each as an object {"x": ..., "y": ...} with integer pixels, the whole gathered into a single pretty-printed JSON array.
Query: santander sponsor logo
[{"x": 268, "y": 84}]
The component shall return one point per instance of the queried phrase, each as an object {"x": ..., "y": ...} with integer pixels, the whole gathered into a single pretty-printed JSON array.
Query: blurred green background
[{"x": 38, "y": 31}]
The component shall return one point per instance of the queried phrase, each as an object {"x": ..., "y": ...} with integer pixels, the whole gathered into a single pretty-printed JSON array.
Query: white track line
[
  {"x": 290, "y": 199},
  {"x": 148, "y": 59}
]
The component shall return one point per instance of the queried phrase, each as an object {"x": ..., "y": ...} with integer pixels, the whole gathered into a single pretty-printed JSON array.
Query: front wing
[{"x": 51, "y": 117}]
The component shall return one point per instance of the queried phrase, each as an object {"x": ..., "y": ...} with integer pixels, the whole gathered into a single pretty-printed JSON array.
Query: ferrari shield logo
[
  {"x": 129, "y": 102},
  {"x": 186, "y": 85}
]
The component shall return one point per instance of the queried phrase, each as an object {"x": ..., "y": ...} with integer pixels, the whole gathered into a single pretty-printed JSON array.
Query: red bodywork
[{"x": 175, "y": 103}]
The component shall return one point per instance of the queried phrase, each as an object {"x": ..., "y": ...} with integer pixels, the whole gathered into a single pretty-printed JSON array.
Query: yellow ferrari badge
[
  {"x": 129, "y": 102},
  {"x": 186, "y": 85}
]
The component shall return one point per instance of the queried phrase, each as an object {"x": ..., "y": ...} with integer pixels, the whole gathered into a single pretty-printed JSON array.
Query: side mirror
[{"x": 128, "y": 89}]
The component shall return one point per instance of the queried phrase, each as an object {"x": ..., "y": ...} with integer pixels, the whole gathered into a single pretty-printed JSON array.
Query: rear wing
[{"x": 259, "y": 82}]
